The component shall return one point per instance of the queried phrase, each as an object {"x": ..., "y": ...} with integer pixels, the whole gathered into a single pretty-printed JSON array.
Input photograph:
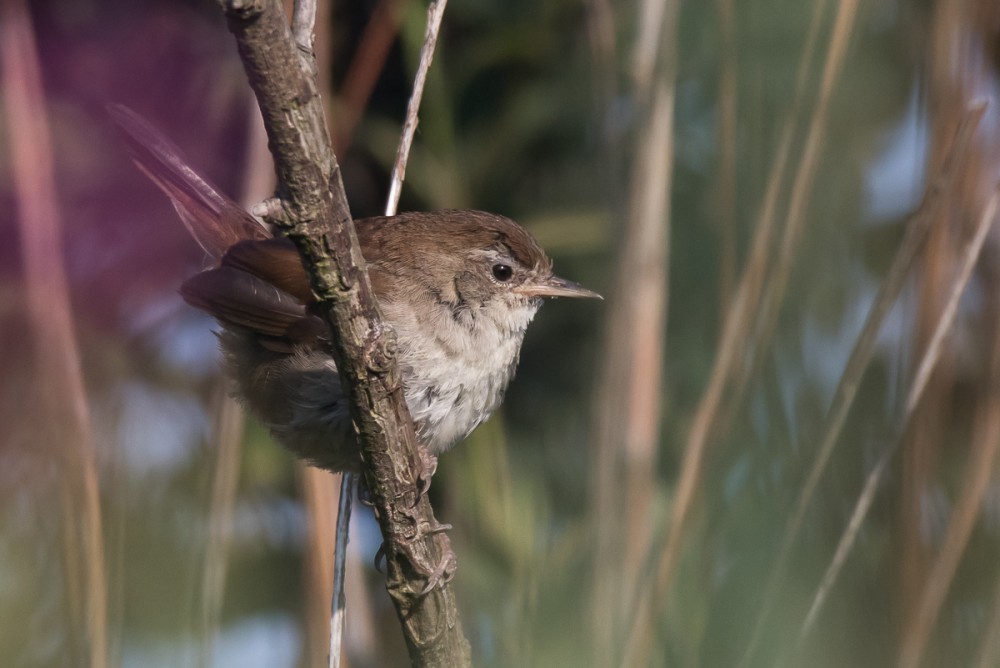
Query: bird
[{"x": 459, "y": 288}]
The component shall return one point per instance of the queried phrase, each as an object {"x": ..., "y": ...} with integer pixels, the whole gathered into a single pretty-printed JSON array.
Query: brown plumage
[
  {"x": 459, "y": 287},
  {"x": 262, "y": 285}
]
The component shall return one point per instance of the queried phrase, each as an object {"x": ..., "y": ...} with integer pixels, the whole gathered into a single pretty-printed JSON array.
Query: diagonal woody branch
[{"x": 315, "y": 216}]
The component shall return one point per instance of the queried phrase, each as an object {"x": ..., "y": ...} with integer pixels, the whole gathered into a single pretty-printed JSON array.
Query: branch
[{"x": 315, "y": 216}]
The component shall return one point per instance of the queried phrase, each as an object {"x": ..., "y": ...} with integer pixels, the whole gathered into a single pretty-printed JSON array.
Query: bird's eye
[{"x": 502, "y": 272}]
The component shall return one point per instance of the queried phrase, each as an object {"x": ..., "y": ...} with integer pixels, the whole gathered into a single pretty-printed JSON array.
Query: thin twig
[
  {"x": 348, "y": 485},
  {"x": 304, "y": 24},
  {"x": 58, "y": 357},
  {"x": 969, "y": 256},
  {"x": 864, "y": 347},
  {"x": 434, "y": 15}
]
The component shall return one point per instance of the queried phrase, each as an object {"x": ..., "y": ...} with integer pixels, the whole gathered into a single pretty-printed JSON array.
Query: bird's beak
[{"x": 553, "y": 286}]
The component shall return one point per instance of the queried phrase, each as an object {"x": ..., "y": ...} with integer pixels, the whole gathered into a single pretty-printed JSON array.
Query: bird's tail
[{"x": 215, "y": 221}]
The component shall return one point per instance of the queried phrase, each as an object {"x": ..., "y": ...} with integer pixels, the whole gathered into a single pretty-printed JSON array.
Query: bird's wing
[{"x": 238, "y": 298}]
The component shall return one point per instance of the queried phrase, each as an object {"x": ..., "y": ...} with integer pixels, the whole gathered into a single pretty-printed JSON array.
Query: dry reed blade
[
  {"x": 725, "y": 186},
  {"x": 653, "y": 18},
  {"x": 976, "y": 482},
  {"x": 805, "y": 175},
  {"x": 627, "y": 407},
  {"x": 737, "y": 324},
  {"x": 988, "y": 655},
  {"x": 58, "y": 358},
  {"x": 227, "y": 435},
  {"x": 948, "y": 75},
  {"x": 932, "y": 353},
  {"x": 600, "y": 22},
  {"x": 748, "y": 296},
  {"x": 864, "y": 347},
  {"x": 772, "y": 297},
  {"x": 646, "y": 336},
  {"x": 979, "y": 470},
  {"x": 760, "y": 258}
]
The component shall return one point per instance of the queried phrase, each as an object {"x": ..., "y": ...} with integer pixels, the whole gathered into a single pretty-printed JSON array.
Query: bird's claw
[
  {"x": 442, "y": 573},
  {"x": 437, "y": 528},
  {"x": 428, "y": 465}
]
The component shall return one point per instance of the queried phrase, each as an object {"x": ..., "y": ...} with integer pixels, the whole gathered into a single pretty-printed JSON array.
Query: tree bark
[{"x": 314, "y": 214}]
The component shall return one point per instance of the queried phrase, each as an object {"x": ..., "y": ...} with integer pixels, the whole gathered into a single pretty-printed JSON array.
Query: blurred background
[{"x": 778, "y": 200}]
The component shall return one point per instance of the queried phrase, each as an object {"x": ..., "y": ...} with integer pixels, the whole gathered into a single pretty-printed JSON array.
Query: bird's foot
[
  {"x": 441, "y": 573},
  {"x": 438, "y": 574}
]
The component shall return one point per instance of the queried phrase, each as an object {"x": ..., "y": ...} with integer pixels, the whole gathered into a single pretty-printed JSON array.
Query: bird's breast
[{"x": 454, "y": 375}]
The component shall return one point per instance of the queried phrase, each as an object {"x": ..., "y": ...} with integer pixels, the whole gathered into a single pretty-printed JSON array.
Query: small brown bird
[{"x": 458, "y": 287}]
